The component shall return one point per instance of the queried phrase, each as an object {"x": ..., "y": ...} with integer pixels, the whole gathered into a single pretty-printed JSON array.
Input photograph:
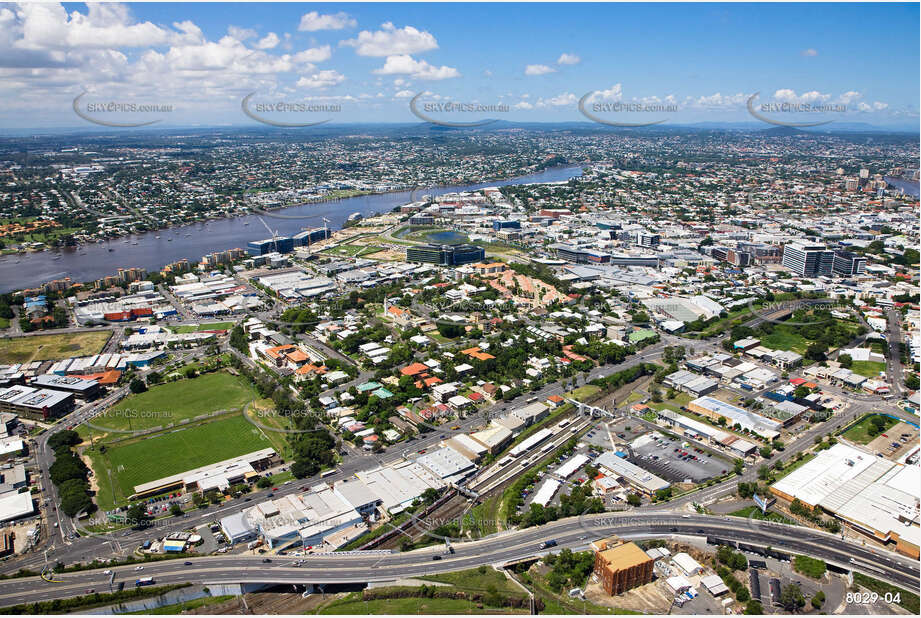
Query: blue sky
[{"x": 525, "y": 62}]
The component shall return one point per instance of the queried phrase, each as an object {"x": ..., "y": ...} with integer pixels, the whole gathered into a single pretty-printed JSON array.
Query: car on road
[
  {"x": 138, "y": 568},
  {"x": 90, "y": 590},
  {"x": 187, "y": 563},
  {"x": 107, "y": 572},
  {"x": 548, "y": 544},
  {"x": 436, "y": 557},
  {"x": 266, "y": 560}
]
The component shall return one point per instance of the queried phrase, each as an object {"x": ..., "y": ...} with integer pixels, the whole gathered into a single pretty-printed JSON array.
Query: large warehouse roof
[
  {"x": 16, "y": 505},
  {"x": 867, "y": 491},
  {"x": 635, "y": 475}
]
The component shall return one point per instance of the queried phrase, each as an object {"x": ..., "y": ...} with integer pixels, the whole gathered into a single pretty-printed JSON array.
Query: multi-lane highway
[{"x": 497, "y": 549}]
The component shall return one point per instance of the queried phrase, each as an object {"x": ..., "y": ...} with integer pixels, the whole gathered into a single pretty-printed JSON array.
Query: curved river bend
[{"x": 191, "y": 242}]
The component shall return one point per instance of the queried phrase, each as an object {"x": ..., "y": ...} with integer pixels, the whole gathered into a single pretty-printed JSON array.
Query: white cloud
[
  {"x": 523, "y": 105},
  {"x": 614, "y": 93},
  {"x": 789, "y": 96},
  {"x": 49, "y": 26},
  {"x": 809, "y": 52},
  {"x": 314, "y": 21},
  {"x": 538, "y": 69},
  {"x": 405, "y": 94},
  {"x": 718, "y": 99},
  {"x": 568, "y": 59},
  {"x": 849, "y": 97},
  {"x": 269, "y": 41},
  {"x": 321, "y": 79},
  {"x": 392, "y": 41},
  {"x": 419, "y": 69},
  {"x": 561, "y": 100},
  {"x": 314, "y": 54},
  {"x": 241, "y": 34},
  {"x": 879, "y": 105}
]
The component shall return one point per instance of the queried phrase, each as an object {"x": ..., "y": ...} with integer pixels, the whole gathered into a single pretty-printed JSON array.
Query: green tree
[{"x": 137, "y": 516}]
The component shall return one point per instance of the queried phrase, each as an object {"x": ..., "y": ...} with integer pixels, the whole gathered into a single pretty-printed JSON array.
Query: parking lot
[{"x": 676, "y": 460}]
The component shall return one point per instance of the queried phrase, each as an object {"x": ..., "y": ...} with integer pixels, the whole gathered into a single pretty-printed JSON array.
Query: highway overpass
[{"x": 575, "y": 533}]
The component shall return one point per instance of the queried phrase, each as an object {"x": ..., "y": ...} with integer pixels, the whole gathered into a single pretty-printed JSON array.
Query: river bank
[{"x": 153, "y": 250}]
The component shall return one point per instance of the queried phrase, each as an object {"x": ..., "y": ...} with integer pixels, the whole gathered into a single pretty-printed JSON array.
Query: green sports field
[
  {"x": 172, "y": 402},
  {"x": 147, "y": 458}
]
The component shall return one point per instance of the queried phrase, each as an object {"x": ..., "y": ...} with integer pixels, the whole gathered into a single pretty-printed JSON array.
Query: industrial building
[
  {"x": 399, "y": 485},
  {"x": 308, "y": 519},
  {"x": 15, "y": 506},
  {"x": 35, "y": 403},
  {"x": 642, "y": 480},
  {"x": 695, "y": 429},
  {"x": 80, "y": 387},
  {"x": 714, "y": 409},
  {"x": 872, "y": 495},
  {"x": 621, "y": 566}
]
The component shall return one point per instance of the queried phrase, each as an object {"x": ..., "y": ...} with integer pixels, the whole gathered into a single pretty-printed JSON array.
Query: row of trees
[{"x": 69, "y": 474}]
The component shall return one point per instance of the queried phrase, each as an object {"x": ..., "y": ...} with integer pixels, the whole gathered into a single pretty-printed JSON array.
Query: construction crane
[{"x": 274, "y": 234}]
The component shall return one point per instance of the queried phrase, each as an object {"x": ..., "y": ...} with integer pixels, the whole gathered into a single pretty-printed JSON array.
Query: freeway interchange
[{"x": 498, "y": 549}]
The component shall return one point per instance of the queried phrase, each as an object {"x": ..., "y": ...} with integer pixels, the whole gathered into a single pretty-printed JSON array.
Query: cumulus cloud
[
  {"x": 561, "y": 100},
  {"x": 314, "y": 21},
  {"x": 392, "y": 41},
  {"x": 719, "y": 99},
  {"x": 809, "y": 52},
  {"x": 789, "y": 96},
  {"x": 405, "y": 94},
  {"x": 614, "y": 93},
  {"x": 538, "y": 69},
  {"x": 314, "y": 54},
  {"x": 320, "y": 80},
  {"x": 241, "y": 34},
  {"x": 849, "y": 97},
  {"x": 568, "y": 59},
  {"x": 269, "y": 41},
  {"x": 420, "y": 69}
]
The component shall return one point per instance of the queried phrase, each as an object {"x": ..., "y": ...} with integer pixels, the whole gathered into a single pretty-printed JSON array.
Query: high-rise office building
[
  {"x": 808, "y": 260},
  {"x": 445, "y": 255},
  {"x": 848, "y": 263}
]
